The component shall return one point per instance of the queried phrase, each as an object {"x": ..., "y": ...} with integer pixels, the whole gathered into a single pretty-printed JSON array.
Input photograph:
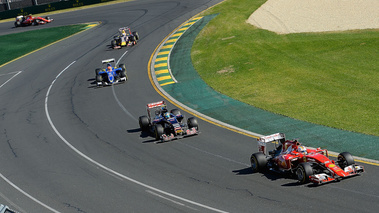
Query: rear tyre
[
  {"x": 303, "y": 171},
  {"x": 122, "y": 66},
  {"x": 345, "y": 159},
  {"x": 258, "y": 162},
  {"x": 143, "y": 122},
  {"x": 176, "y": 112},
  {"x": 97, "y": 71},
  {"x": 136, "y": 36},
  {"x": 158, "y": 131},
  {"x": 192, "y": 122}
]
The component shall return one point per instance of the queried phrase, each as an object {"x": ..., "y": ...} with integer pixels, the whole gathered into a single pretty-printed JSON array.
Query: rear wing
[
  {"x": 262, "y": 141},
  {"x": 156, "y": 104},
  {"x": 126, "y": 29},
  {"x": 108, "y": 60}
]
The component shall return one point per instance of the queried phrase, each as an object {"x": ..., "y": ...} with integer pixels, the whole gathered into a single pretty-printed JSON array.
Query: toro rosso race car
[
  {"x": 110, "y": 75},
  {"x": 31, "y": 20},
  {"x": 125, "y": 38},
  {"x": 166, "y": 125},
  {"x": 308, "y": 165}
]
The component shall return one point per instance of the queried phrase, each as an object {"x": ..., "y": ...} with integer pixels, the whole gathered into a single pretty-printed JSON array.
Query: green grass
[
  {"x": 15, "y": 45},
  {"x": 330, "y": 78}
]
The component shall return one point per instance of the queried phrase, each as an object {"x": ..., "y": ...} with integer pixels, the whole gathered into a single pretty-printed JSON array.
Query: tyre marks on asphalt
[{"x": 161, "y": 63}]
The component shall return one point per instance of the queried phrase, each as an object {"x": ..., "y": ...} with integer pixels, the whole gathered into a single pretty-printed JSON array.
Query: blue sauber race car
[
  {"x": 166, "y": 125},
  {"x": 110, "y": 75}
]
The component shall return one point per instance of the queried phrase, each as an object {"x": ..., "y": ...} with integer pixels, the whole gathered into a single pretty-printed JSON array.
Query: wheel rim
[
  {"x": 342, "y": 162},
  {"x": 254, "y": 163},
  {"x": 300, "y": 174}
]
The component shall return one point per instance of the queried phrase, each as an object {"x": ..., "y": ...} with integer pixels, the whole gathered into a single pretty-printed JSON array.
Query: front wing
[
  {"x": 188, "y": 132},
  {"x": 322, "y": 178}
]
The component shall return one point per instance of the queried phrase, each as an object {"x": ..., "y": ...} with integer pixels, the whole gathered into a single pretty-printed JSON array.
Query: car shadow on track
[
  {"x": 273, "y": 176},
  {"x": 143, "y": 135}
]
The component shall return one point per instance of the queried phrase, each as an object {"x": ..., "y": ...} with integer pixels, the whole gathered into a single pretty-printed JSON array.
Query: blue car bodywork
[
  {"x": 106, "y": 77},
  {"x": 166, "y": 125}
]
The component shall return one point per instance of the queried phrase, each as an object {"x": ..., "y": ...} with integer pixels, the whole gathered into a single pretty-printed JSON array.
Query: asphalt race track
[{"x": 67, "y": 146}]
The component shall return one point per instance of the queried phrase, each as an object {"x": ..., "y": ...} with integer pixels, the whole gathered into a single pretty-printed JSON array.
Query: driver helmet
[
  {"x": 109, "y": 66},
  {"x": 302, "y": 149},
  {"x": 167, "y": 115}
]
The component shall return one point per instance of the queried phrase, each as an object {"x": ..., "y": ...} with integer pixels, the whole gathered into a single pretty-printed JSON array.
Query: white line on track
[
  {"x": 26, "y": 194},
  {"x": 108, "y": 169},
  {"x": 163, "y": 197},
  {"x": 6, "y": 179},
  {"x": 11, "y": 77}
]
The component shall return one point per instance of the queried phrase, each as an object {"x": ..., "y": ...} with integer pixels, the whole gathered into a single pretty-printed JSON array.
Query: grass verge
[
  {"x": 15, "y": 45},
  {"x": 324, "y": 78}
]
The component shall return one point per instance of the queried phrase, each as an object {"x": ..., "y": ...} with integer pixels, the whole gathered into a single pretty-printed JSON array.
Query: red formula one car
[
  {"x": 31, "y": 20},
  {"x": 308, "y": 165}
]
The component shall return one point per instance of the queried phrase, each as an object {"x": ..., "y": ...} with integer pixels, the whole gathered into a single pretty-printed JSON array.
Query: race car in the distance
[
  {"x": 166, "y": 125},
  {"x": 31, "y": 20},
  {"x": 110, "y": 74},
  {"x": 124, "y": 38},
  {"x": 308, "y": 165}
]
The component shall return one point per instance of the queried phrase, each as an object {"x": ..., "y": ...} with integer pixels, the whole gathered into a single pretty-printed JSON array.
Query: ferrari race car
[
  {"x": 125, "y": 38},
  {"x": 110, "y": 75},
  {"x": 166, "y": 125},
  {"x": 31, "y": 20},
  {"x": 308, "y": 165}
]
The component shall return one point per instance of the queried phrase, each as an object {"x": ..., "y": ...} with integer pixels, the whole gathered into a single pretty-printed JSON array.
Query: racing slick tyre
[
  {"x": 99, "y": 78},
  {"x": 303, "y": 171},
  {"x": 258, "y": 162},
  {"x": 158, "y": 131},
  {"x": 122, "y": 66},
  {"x": 136, "y": 36},
  {"x": 143, "y": 122},
  {"x": 97, "y": 71},
  {"x": 123, "y": 72},
  {"x": 36, "y": 22},
  {"x": 113, "y": 43},
  {"x": 16, "y": 24},
  {"x": 345, "y": 159},
  {"x": 192, "y": 122},
  {"x": 176, "y": 112}
]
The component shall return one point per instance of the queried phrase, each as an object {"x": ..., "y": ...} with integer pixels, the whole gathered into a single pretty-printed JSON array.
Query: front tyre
[
  {"x": 99, "y": 78},
  {"x": 258, "y": 162},
  {"x": 345, "y": 159},
  {"x": 192, "y": 123},
  {"x": 158, "y": 131},
  {"x": 303, "y": 171},
  {"x": 113, "y": 43}
]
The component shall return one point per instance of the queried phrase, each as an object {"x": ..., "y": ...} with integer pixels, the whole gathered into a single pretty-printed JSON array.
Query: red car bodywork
[
  {"x": 314, "y": 165},
  {"x": 31, "y": 20}
]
